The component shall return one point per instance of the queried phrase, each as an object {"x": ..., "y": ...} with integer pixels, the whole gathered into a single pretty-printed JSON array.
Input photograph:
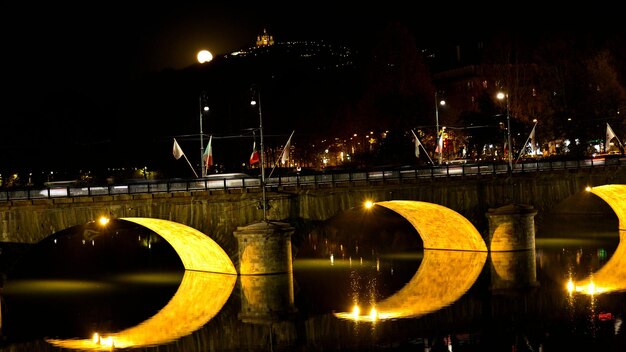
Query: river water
[{"x": 129, "y": 286}]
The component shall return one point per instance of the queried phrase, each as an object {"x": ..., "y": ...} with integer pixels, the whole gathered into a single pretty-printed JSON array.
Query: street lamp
[
  {"x": 254, "y": 102},
  {"x": 437, "y": 103},
  {"x": 502, "y": 96},
  {"x": 203, "y": 108}
]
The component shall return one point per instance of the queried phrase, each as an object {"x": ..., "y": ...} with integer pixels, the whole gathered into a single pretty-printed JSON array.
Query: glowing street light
[{"x": 502, "y": 96}]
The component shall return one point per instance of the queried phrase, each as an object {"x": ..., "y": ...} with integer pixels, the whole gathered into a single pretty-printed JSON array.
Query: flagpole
[
  {"x": 283, "y": 152},
  {"x": 421, "y": 145},
  {"x": 201, "y": 109},
  {"x": 178, "y": 152},
  {"x": 192, "y": 169},
  {"x": 262, "y": 160}
]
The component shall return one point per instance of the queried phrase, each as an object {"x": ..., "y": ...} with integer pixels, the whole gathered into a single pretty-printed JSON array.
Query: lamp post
[
  {"x": 501, "y": 96},
  {"x": 437, "y": 103},
  {"x": 254, "y": 102},
  {"x": 203, "y": 108}
]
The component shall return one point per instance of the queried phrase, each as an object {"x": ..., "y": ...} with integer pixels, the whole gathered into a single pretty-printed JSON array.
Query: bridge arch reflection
[
  {"x": 612, "y": 276},
  {"x": 454, "y": 256},
  {"x": 207, "y": 284}
]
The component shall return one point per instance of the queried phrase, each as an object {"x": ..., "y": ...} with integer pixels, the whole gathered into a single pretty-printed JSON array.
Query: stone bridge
[{"x": 219, "y": 213}]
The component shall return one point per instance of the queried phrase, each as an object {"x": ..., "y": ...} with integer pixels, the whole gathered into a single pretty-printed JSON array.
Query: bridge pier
[
  {"x": 511, "y": 228},
  {"x": 264, "y": 248},
  {"x": 511, "y": 243},
  {"x": 265, "y": 268}
]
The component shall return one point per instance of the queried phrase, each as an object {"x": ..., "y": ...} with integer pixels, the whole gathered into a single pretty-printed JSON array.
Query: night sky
[{"x": 62, "y": 58}]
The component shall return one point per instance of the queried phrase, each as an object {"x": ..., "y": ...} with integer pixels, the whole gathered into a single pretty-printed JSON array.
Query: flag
[
  {"x": 177, "y": 151},
  {"x": 417, "y": 147},
  {"x": 254, "y": 157},
  {"x": 285, "y": 155},
  {"x": 419, "y": 144},
  {"x": 440, "y": 144},
  {"x": 609, "y": 135},
  {"x": 207, "y": 156},
  {"x": 531, "y": 139}
]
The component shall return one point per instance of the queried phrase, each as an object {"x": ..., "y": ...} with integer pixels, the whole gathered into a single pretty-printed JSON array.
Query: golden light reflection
[
  {"x": 356, "y": 311},
  {"x": 570, "y": 286},
  {"x": 442, "y": 278},
  {"x": 373, "y": 314},
  {"x": 438, "y": 226},
  {"x": 199, "y": 298},
  {"x": 612, "y": 276},
  {"x": 196, "y": 250}
]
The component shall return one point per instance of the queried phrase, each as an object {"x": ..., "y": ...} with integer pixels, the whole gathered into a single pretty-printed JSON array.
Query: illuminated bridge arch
[
  {"x": 204, "y": 289},
  {"x": 438, "y": 226},
  {"x": 196, "y": 250},
  {"x": 612, "y": 276}
]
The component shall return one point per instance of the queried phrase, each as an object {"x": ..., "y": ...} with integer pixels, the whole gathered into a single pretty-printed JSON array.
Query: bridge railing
[{"x": 317, "y": 180}]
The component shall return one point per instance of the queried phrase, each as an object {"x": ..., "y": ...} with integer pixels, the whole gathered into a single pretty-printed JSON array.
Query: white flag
[
  {"x": 531, "y": 139},
  {"x": 285, "y": 156},
  {"x": 417, "y": 147},
  {"x": 177, "y": 151},
  {"x": 609, "y": 135}
]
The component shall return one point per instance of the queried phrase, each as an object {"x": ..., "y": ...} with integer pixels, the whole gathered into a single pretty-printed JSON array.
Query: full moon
[{"x": 204, "y": 56}]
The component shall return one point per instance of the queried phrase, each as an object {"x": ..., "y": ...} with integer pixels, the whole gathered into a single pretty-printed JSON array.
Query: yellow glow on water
[
  {"x": 172, "y": 277},
  {"x": 199, "y": 298},
  {"x": 591, "y": 288},
  {"x": 96, "y": 337},
  {"x": 46, "y": 287},
  {"x": 321, "y": 263},
  {"x": 103, "y": 220},
  {"x": 356, "y": 311},
  {"x": 442, "y": 278},
  {"x": 373, "y": 314},
  {"x": 612, "y": 276}
]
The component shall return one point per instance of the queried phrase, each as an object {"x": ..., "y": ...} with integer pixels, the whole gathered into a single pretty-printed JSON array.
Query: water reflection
[
  {"x": 517, "y": 269},
  {"x": 266, "y": 299},
  {"x": 442, "y": 278},
  {"x": 611, "y": 277},
  {"x": 199, "y": 298},
  {"x": 442, "y": 300}
]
